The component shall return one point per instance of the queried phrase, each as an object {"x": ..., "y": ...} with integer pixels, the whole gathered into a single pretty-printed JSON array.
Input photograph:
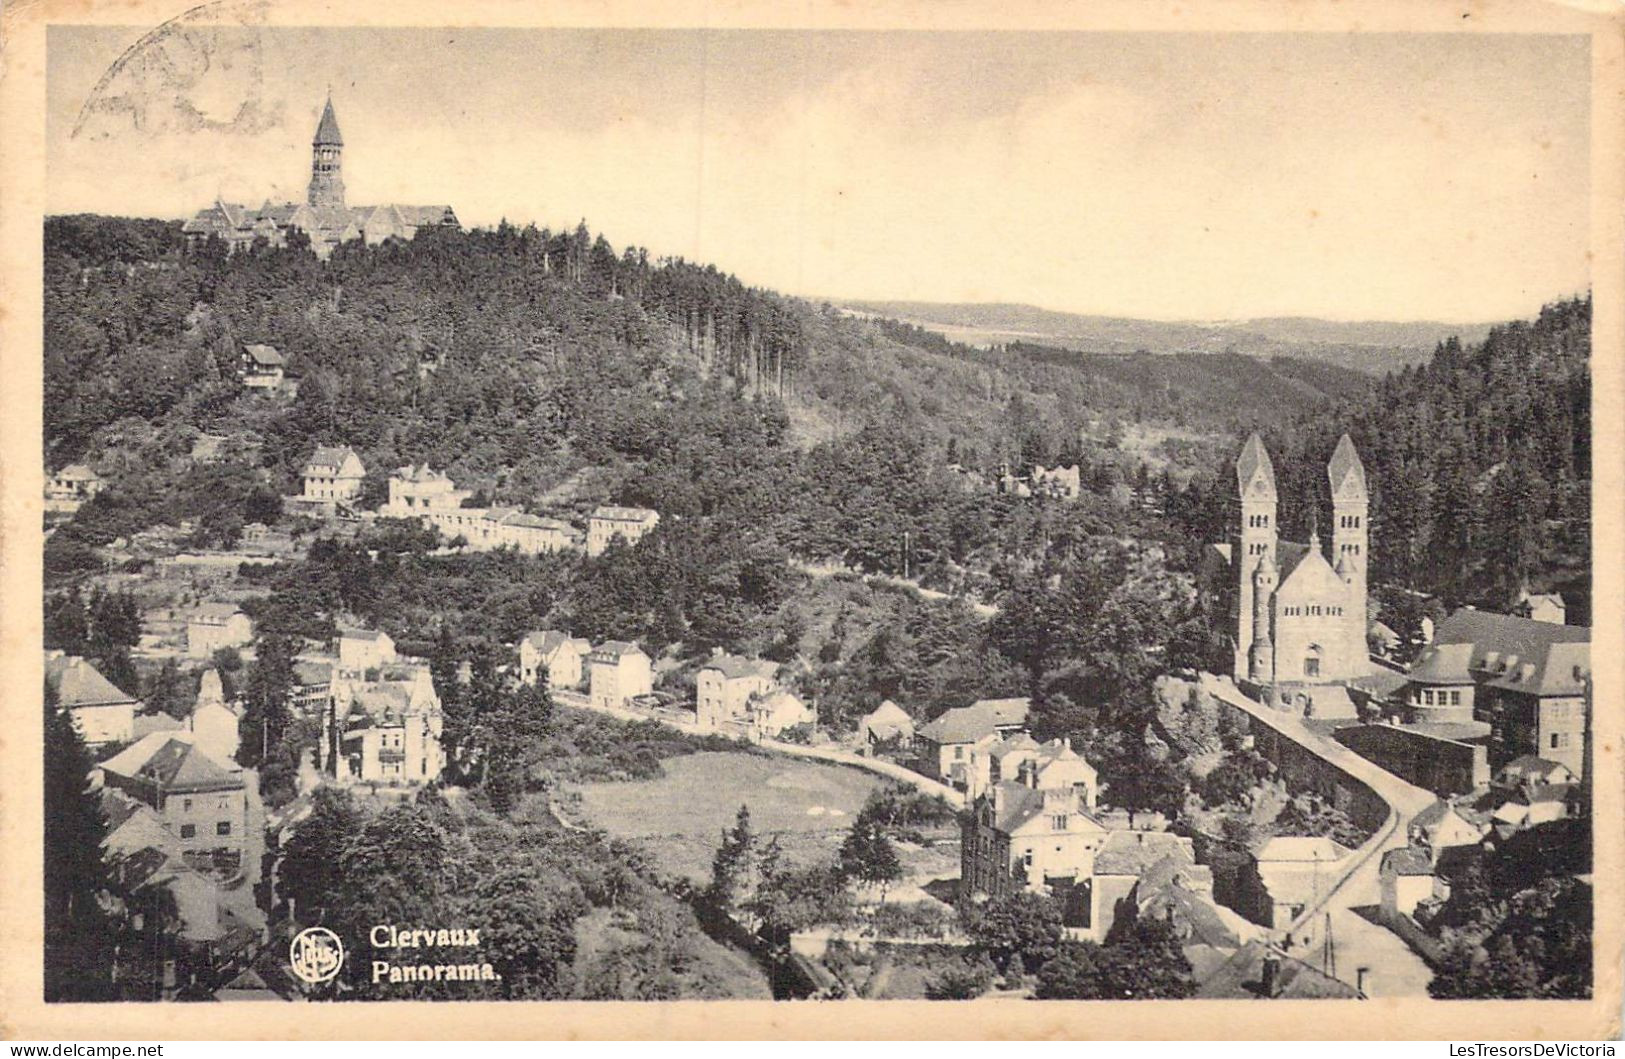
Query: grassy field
[{"x": 680, "y": 817}]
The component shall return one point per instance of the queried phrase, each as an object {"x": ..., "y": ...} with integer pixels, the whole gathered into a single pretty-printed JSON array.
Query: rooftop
[
  {"x": 1507, "y": 652},
  {"x": 970, "y": 723},
  {"x": 79, "y": 683},
  {"x": 172, "y": 762}
]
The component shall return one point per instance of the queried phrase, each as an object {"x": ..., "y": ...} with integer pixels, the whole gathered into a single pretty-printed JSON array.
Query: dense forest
[{"x": 1479, "y": 464}]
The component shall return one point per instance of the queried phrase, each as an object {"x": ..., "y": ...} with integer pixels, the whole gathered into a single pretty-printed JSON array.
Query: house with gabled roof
[
  {"x": 384, "y": 731},
  {"x": 954, "y": 746},
  {"x": 555, "y": 655},
  {"x": 886, "y": 724},
  {"x": 213, "y": 626},
  {"x": 211, "y": 807},
  {"x": 333, "y": 473},
  {"x": 102, "y": 712},
  {"x": 261, "y": 366},
  {"x": 362, "y": 649},
  {"x": 618, "y": 671},
  {"x": 724, "y": 686},
  {"x": 1286, "y": 875},
  {"x": 69, "y": 488},
  {"x": 1260, "y": 971}
]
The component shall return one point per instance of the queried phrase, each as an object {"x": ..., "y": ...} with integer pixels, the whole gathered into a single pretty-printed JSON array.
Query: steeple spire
[{"x": 327, "y": 130}]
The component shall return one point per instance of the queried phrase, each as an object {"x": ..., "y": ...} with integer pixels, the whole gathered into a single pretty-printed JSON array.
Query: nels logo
[{"x": 316, "y": 955}]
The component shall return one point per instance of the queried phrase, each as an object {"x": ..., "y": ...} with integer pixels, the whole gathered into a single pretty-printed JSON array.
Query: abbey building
[
  {"x": 1295, "y": 613},
  {"x": 323, "y": 216}
]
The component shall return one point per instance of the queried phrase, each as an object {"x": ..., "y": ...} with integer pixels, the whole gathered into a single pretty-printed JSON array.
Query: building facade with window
[
  {"x": 210, "y": 806},
  {"x": 1525, "y": 678}
]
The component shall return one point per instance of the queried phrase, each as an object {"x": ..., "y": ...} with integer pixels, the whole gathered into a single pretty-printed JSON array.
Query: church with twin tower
[{"x": 1296, "y": 614}]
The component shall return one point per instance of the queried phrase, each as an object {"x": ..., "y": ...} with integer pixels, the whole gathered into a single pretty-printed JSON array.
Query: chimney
[
  {"x": 1359, "y": 978},
  {"x": 1271, "y": 971},
  {"x": 998, "y": 797}
]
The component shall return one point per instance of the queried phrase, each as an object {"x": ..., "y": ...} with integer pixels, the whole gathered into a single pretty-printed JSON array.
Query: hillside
[
  {"x": 1374, "y": 347},
  {"x": 551, "y": 371}
]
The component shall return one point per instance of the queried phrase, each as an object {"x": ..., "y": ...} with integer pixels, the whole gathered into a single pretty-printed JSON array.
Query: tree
[
  {"x": 168, "y": 691},
  {"x": 78, "y": 938},
  {"x": 1141, "y": 960},
  {"x": 267, "y": 700},
  {"x": 867, "y": 855},
  {"x": 735, "y": 868},
  {"x": 1020, "y": 930},
  {"x": 309, "y": 875}
]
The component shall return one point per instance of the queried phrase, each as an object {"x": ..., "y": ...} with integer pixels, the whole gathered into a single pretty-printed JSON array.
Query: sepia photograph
[{"x": 618, "y": 509}]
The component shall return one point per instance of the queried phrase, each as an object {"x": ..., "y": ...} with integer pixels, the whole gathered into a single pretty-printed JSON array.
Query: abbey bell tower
[{"x": 326, "y": 177}]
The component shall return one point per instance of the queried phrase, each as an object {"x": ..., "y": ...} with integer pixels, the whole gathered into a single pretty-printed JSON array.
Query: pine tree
[{"x": 78, "y": 935}]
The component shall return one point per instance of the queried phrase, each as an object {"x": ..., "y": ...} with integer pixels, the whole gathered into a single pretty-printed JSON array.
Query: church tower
[
  {"x": 1350, "y": 544},
  {"x": 1254, "y": 540},
  {"x": 326, "y": 177}
]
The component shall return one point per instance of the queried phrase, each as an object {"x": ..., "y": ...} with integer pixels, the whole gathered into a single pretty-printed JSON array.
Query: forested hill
[
  {"x": 498, "y": 354},
  {"x": 551, "y": 371},
  {"x": 1479, "y": 464}
]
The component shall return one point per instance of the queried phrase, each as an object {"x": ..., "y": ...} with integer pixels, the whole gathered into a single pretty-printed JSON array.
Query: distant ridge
[{"x": 1371, "y": 346}]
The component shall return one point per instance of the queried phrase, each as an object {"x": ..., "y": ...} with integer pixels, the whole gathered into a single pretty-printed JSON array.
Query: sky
[{"x": 1166, "y": 176}]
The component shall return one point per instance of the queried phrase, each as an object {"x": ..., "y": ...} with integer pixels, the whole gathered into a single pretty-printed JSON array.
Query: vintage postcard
[{"x": 821, "y": 520}]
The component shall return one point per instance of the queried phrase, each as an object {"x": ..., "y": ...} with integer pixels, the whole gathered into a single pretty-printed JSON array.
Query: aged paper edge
[{"x": 22, "y": 114}]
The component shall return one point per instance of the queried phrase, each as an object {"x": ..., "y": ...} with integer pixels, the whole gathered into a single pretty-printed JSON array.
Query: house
[
  {"x": 724, "y": 686},
  {"x": 771, "y": 712},
  {"x": 1135, "y": 870},
  {"x": 506, "y": 527},
  {"x": 1017, "y": 837},
  {"x": 1288, "y": 874},
  {"x": 1063, "y": 482},
  {"x": 363, "y": 649},
  {"x": 887, "y": 725},
  {"x": 1547, "y": 607},
  {"x": 618, "y": 671},
  {"x": 70, "y": 487},
  {"x": 1406, "y": 878},
  {"x": 628, "y": 523},
  {"x": 1525, "y": 678},
  {"x": 557, "y": 654},
  {"x": 312, "y": 685},
  {"x": 1532, "y": 779},
  {"x": 213, "y": 722},
  {"x": 211, "y": 807},
  {"x": 954, "y": 746},
  {"x": 420, "y": 491},
  {"x": 1443, "y": 826},
  {"x": 1262, "y": 971},
  {"x": 384, "y": 731},
  {"x": 101, "y": 712},
  {"x": 267, "y": 978},
  {"x": 1040, "y": 833},
  {"x": 333, "y": 474},
  {"x": 214, "y": 626},
  {"x": 1044, "y": 765},
  {"x": 261, "y": 367}
]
